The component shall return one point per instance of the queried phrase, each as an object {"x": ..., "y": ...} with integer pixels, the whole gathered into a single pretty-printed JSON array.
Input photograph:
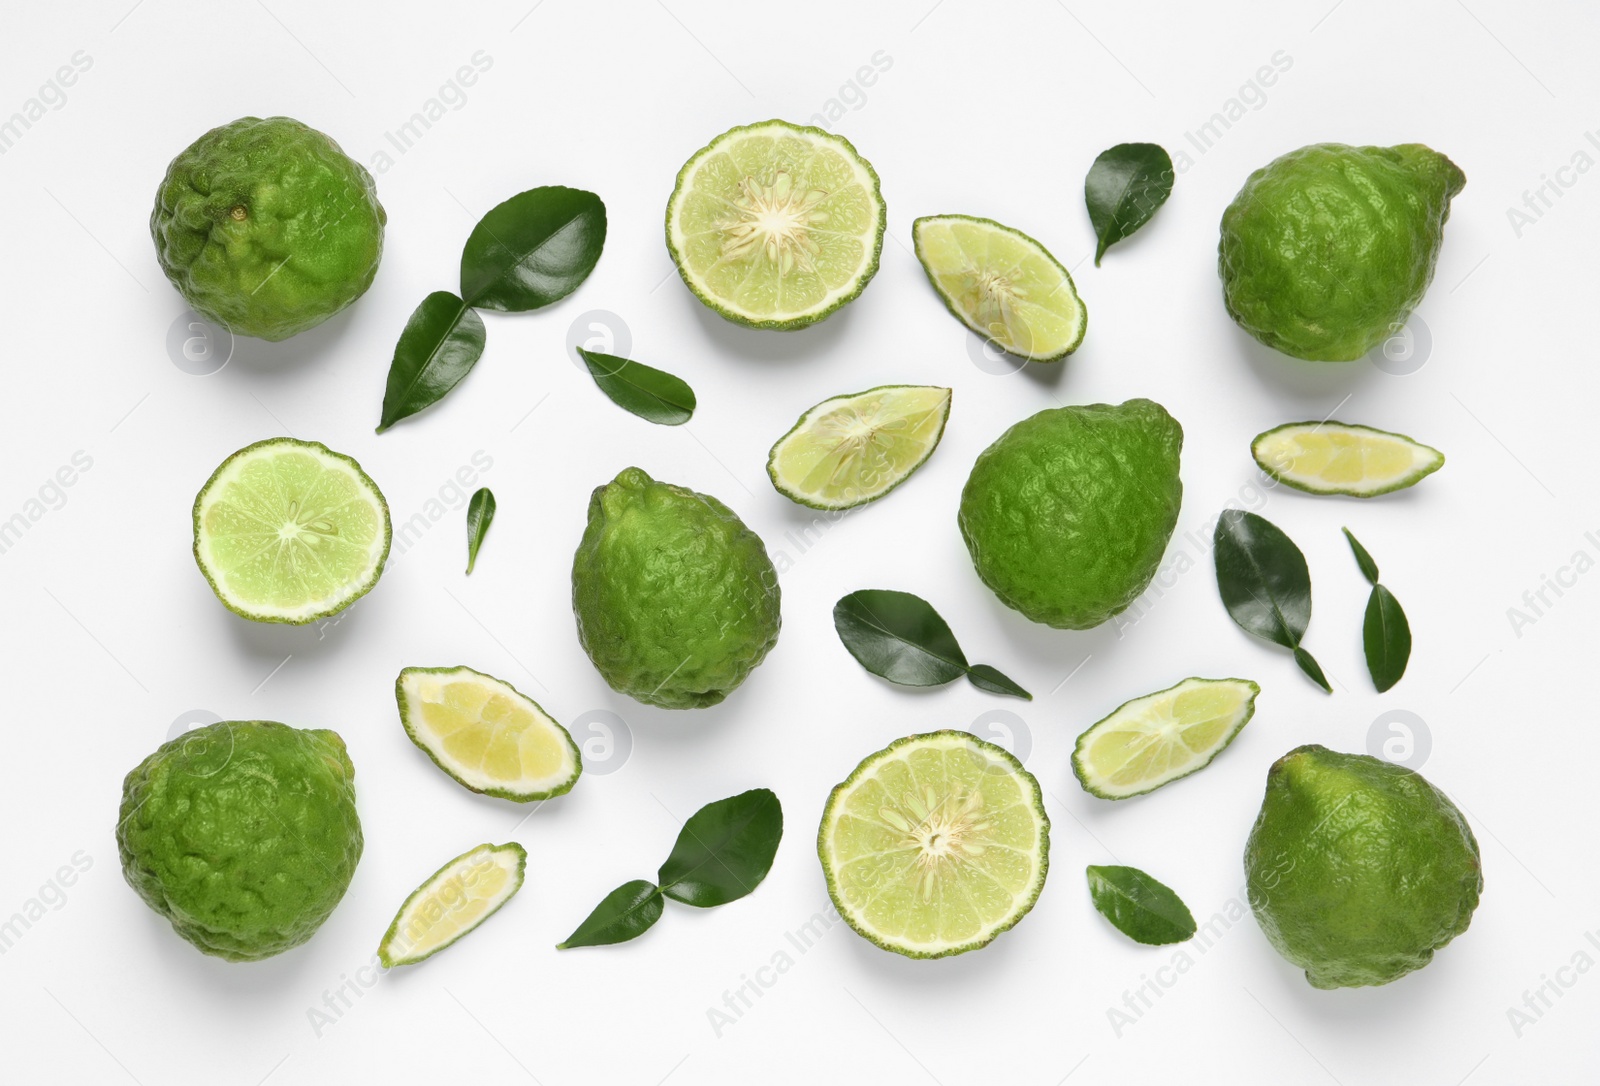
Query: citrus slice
[
  {"x": 1342, "y": 458},
  {"x": 774, "y": 225},
  {"x": 935, "y": 844},
  {"x": 290, "y": 531},
  {"x": 854, "y": 449},
  {"x": 1002, "y": 284},
  {"x": 486, "y": 734},
  {"x": 452, "y": 902},
  {"x": 1160, "y": 737}
]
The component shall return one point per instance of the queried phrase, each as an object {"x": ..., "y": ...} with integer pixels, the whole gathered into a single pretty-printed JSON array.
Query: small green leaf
[
  {"x": 440, "y": 344},
  {"x": 1369, "y": 568},
  {"x": 534, "y": 249},
  {"x": 1124, "y": 188},
  {"x": 987, "y": 678},
  {"x": 626, "y": 913},
  {"x": 899, "y": 637},
  {"x": 1265, "y": 584},
  {"x": 1143, "y": 909},
  {"x": 1386, "y": 636},
  {"x": 654, "y": 395},
  {"x": 724, "y": 850},
  {"x": 480, "y": 514}
]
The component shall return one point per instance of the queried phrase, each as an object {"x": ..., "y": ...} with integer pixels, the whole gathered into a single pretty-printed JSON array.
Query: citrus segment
[
  {"x": 452, "y": 902},
  {"x": 485, "y": 734},
  {"x": 1156, "y": 739},
  {"x": 1343, "y": 458},
  {"x": 854, "y": 449}
]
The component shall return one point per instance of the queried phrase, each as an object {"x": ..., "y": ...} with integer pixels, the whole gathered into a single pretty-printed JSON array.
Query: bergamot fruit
[
  {"x": 267, "y": 227},
  {"x": 1327, "y": 250},
  {"x": 676, "y": 600},
  {"x": 243, "y": 834},
  {"x": 1066, "y": 516},
  {"x": 1358, "y": 869}
]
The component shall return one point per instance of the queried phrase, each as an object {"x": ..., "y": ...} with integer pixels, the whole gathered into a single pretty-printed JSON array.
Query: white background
[{"x": 990, "y": 109}]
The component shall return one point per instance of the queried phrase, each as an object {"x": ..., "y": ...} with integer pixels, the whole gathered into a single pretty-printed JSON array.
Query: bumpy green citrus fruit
[
  {"x": 267, "y": 227},
  {"x": 1358, "y": 869},
  {"x": 1067, "y": 515},
  {"x": 676, "y": 600},
  {"x": 243, "y": 834},
  {"x": 1327, "y": 250}
]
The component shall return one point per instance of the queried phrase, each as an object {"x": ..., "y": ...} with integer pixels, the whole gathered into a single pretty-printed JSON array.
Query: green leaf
[
  {"x": 534, "y": 249},
  {"x": 899, "y": 637},
  {"x": 1124, "y": 188},
  {"x": 626, "y": 913},
  {"x": 480, "y": 514},
  {"x": 1386, "y": 636},
  {"x": 1265, "y": 584},
  {"x": 652, "y": 394},
  {"x": 1369, "y": 568},
  {"x": 987, "y": 678},
  {"x": 1143, "y": 909},
  {"x": 724, "y": 850},
  {"x": 440, "y": 344}
]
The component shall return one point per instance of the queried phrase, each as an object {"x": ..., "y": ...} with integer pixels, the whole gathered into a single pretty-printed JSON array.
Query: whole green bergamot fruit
[
  {"x": 243, "y": 834},
  {"x": 1358, "y": 869},
  {"x": 267, "y": 227},
  {"x": 676, "y": 600},
  {"x": 1066, "y": 516},
  {"x": 1327, "y": 250}
]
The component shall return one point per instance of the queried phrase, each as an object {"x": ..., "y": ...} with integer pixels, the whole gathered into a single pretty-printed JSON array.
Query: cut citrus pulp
[
  {"x": 486, "y": 734},
  {"x": 452, "y": 902},
  {"x": 290, "y": 531},
  {"x": 853, "y": 449},
  {"x": 1002, "y": 284},
  {"x": 1156, "y": 739},
  {"x": 1343, "y": 458},
  {"x": 935, "y": 844},
  {"x": 775, "y": 225}
]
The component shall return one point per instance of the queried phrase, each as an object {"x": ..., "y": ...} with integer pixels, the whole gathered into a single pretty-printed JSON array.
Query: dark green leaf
[
  {"x": 1124, "y": 188},
  {"x": 1369, "y": 568},
  {"x": 438, "y": 347},
  {"x": 652, "y": 394},
  {"x": 1262, "y": 577},
  {"x": 480, "y": 514},
  {"x": 626, "y": 913},
  {"x": 724, "y": 850},
  {"x": 1311, "y": 668},
  {"x": 1386, "y": 635},
  {"x": 534, "y": 249},
  {"x": 987, "y": 678},
  {"x": 899, "y": 636},
  {"x": 1141, "y": 908}
]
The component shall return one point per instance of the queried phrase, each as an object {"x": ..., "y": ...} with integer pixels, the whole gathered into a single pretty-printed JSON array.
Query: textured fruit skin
[
  {"x": 1358, "y": 869},
  {"x": 243, "y": 834},
  {"x": 267, "y": 227},
  {"x": 676, "y": 600},
  {"x": 1327, "y": 250},
  {"x": 1067, "y": 514}
]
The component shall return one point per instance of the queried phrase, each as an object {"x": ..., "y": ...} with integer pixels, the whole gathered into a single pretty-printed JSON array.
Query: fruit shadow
[
  {"x": 310, "y": 348},
  {"x": 254, "y": 991},
  {"x": 1311, "y": 384},
  {"x": 1060, "y": 654},
  {"x": 765, "y": 345},
  {"x": 274, "y": 644}
]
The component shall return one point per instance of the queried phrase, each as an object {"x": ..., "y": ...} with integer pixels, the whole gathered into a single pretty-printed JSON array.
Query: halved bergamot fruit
[
  {"x": 775, "y": 225},
  {"x": 1160, "y": 737},
  {"x": 452, "y": 902},
  {"x": 290, "y": 531},
  {"x": 1002, "y": 284},
  {"x": 486, "y": 734},
  {"x": 1343, "y": 458},
  {"x": 854, "y": 449},
  {"x": 935, "y": 844}
]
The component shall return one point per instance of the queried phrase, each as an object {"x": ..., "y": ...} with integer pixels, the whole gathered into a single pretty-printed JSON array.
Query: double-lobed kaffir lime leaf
[
  {"x": 900, "y": 637},
  {"x": 1385, "y": 632},
  {"x": 1265, "y": 584}
]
